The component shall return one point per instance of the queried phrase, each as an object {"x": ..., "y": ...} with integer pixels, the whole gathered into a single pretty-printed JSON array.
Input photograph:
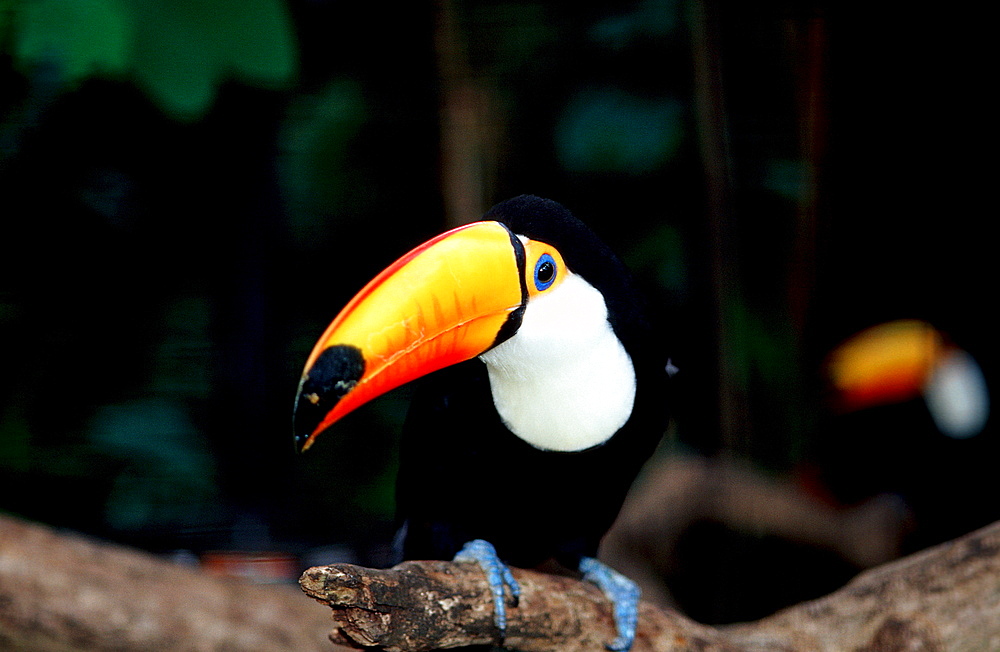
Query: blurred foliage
[
  {"x": 654, "y": 19},
  {"x": 609, "y": 130},
  {"x": 78, "y": 37},
  {"x": 787, "y": 179},
  {"x": 315, "y": 167},
  {"x": 166, "y": 477},
  {"x": 178, "y": 51}
]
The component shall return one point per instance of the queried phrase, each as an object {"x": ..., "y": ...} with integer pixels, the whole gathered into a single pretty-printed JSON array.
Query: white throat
[{"x": 563, "y": 382}]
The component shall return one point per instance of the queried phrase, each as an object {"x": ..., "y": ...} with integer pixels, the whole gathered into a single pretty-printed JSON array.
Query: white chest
[{"x": 563, "y": 382}]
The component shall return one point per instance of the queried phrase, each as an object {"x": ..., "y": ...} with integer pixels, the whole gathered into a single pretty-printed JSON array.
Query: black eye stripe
[
  {"x": 545, "y": 272},
  {"x": 513, "y": 322}
]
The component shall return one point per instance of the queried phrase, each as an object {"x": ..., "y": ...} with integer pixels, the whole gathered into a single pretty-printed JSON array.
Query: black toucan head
[{"x": 530, "y": 290}]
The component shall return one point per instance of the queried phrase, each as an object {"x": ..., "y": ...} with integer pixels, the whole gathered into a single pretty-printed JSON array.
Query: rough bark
[
  {"x": 429, "y": 605},
  {"x": 945, "y": 598},
  {"x": 66, "y": 592}
]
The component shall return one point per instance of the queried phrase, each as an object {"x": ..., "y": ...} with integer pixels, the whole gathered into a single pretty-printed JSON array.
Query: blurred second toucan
[
  {"x": 548, "y": 397},
  {"x": 905, "y": 359}
]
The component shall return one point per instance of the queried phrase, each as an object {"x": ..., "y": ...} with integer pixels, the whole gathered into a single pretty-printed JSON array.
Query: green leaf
[
  {"x": 178, "y": 51},
  {"x": 81, "y": 37},
  {"x": 185, "y": 48}
]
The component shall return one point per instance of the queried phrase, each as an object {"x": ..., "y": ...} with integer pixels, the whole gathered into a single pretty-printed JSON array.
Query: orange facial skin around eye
[{"x": 533, "y": 250}]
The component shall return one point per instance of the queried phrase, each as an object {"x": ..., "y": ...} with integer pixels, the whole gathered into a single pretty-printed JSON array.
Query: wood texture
[
  {"x": 65, "y": 592},
  {"x": 62, "y": 591},
  {"x": 945, "y": 598}
]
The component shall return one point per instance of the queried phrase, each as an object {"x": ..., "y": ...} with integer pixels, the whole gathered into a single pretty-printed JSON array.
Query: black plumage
[{"x": 464, "y": 475}]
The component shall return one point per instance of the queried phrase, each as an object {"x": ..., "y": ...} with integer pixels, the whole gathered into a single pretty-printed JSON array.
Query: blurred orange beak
[
  {"x": 888, "y": 363},
  {"x": 445, "y": 302}
]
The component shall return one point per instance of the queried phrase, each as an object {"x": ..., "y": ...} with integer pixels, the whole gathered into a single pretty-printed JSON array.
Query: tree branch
[
  {"x": 947, "y": 597},
  {"x": 62, "y": 592},
  {"x": 428, "y": 605},
  {"x": 676, "y": 491}
]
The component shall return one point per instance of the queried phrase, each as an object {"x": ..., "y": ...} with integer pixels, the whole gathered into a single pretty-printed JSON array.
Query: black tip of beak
[{"x": 335, "y": 373}]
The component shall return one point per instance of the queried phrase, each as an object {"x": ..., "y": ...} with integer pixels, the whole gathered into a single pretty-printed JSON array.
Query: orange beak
[
  {"x": 888, "y": 363},
  {"x": 447, "y": 301}
]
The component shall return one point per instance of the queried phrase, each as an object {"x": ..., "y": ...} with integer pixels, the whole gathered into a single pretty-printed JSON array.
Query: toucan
[
  {"x": 909, "y": 416},
  {"x": 543, "y": 391},
  {"x": 900, "y": 360}
]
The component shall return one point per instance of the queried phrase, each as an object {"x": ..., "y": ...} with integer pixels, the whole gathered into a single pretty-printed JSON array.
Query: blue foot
[
  {"x": 497, "y": 574},
  {"x": 623, "y": 594}
]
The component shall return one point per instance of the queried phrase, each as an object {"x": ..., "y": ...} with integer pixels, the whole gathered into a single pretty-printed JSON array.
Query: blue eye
[{"x": 545, "y": 272}]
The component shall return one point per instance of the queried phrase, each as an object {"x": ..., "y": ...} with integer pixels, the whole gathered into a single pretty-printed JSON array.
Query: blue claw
[
  {"x": 498, "y": 576},
  {"x": 624, "y": 595}
]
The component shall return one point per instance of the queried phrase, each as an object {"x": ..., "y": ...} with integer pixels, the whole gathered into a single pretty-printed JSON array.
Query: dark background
[{"x": 185, "y": 208}]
